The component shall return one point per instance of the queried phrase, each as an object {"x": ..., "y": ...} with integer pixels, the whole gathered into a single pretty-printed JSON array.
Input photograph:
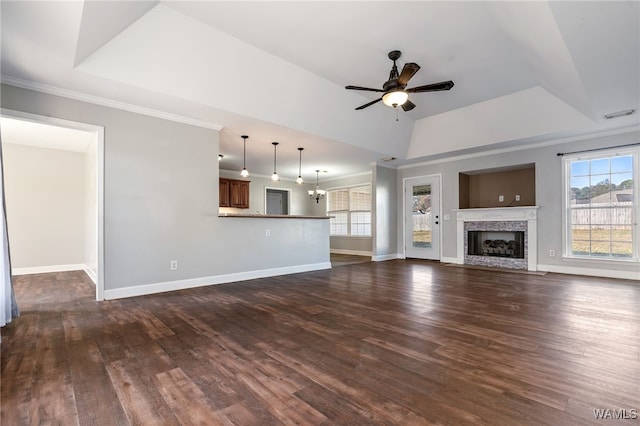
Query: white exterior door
[{"x": 422, "y": 218}]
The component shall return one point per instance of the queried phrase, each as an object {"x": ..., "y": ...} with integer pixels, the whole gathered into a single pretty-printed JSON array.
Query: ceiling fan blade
[
  {"x": 363, "y": 88},
  {"x": 435, "y": 87},
  {"x": 408, "y": 71},
  {"x": 408, "y": 105},
  {"x": 369, "y": 104}
]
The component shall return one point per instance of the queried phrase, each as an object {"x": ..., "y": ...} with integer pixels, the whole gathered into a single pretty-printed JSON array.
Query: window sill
[{"x": 608, "y": 261}]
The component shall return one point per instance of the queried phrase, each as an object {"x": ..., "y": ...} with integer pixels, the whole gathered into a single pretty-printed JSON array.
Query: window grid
[
  {"x": 602, "y": 205},
  {"x": 351, "y": 211}
]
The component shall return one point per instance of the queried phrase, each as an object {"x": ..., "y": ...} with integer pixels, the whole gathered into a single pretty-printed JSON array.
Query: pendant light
[
  {"x": 244, "y": 173},
  {"x": 318, "y": 194},
  {"x": 274, "y": 176},
  {"x": 299, "y": 179}
]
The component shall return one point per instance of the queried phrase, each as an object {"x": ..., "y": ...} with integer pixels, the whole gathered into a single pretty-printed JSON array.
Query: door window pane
[{"x": 421, "y": 235}]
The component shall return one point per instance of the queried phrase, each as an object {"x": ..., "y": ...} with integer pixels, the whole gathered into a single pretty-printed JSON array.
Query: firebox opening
[{"x": 496, "y": 243}]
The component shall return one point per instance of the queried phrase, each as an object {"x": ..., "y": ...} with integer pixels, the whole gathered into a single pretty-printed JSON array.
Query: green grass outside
[{"x": 602, "y": 241}]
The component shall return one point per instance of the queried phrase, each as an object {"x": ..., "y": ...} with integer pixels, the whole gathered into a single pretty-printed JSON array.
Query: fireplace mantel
[
  {"x": 497, "y": 213},
  {"x": 501, "y": 214}
]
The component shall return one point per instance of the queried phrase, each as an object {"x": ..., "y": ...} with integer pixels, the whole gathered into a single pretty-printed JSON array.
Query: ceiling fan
[{"x": 394, "y": 92}]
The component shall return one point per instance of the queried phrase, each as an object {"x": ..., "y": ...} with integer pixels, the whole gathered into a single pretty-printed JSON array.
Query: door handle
[{"x": 436, "y": 222}]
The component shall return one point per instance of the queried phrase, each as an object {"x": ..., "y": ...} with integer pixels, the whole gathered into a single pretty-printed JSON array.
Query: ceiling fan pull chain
[{"x": 396, "y": 114}]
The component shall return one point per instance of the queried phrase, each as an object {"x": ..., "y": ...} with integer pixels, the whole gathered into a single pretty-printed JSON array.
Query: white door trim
[
  {"x": 99, "y": 137},
  {"x": 404, "y": 210}
]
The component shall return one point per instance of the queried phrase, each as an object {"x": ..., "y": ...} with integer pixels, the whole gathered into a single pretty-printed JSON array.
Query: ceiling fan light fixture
[{"x": 395, "y": 98}]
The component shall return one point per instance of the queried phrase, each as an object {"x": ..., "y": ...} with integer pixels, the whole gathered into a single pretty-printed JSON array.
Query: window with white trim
[
  {"x": 601, "y": 213},
  {"x": 351, "y": 211}
]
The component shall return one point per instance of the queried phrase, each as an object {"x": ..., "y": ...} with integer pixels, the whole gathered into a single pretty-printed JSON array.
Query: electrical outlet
[
  {"x": 552, "y": 253},
  {"x": 501, "y": 198},
  {"x": 267, "y": 233},
  {"x": 173, "y": 265},
  {"x": 517, "y": 198}
]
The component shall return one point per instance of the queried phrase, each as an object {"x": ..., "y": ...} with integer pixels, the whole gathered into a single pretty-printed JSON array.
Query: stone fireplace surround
[{"x": 499, "y": 219}]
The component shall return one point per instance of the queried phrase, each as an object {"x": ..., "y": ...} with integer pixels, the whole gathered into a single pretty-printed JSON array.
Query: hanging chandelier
[{"x": 317, "y": 194}]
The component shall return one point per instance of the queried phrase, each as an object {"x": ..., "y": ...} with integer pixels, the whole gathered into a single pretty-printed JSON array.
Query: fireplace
[
  {"x": 503, "y": 237},
  {"x": 496, "y": 243}
]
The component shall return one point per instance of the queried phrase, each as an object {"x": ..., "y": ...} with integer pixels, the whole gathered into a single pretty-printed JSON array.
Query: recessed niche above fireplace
[{"x": 485, "y": 188}]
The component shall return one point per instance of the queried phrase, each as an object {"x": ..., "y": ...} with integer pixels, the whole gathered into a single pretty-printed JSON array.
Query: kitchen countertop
[{"x": 272, "y": 216}]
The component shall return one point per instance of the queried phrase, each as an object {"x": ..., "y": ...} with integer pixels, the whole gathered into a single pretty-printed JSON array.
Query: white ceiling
[{"x": 524, "y": 71}]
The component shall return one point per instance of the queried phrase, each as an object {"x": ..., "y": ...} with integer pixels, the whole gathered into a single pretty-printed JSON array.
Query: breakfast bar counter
[{"x": 272, "y": 216}]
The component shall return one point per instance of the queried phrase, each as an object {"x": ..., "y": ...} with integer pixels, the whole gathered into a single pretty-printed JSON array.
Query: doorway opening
[
  {"x": 277, "y": 201},
  {"x": 66, "y": 232}
]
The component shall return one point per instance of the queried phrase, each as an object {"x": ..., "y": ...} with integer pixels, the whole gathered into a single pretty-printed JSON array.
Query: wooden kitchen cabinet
[
  {"x": 234, "y": 193},
  {"x": 239, "y": 193},
  {"x": 224, "y": 193}
]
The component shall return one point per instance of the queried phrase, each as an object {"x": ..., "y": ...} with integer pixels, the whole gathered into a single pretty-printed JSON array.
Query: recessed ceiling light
[{"x": 619, "y": 114}]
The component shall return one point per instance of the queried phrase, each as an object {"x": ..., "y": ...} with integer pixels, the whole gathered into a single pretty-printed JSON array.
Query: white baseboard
[
  {"x": 605, "y": 273},
  {"x": 455, "y": 260},
  {"x": 384, "y": 257},
  {"x": 141, "y": 290},
  {"x": 91, "y": 273},
  {"x": 46, "y": 269},
  {"x": 352, "y": 252}
]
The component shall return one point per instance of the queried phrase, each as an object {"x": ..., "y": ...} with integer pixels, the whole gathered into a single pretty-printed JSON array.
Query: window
[
  {"x": 351, "y": 211},
  {"x": 602, "y": 205}
]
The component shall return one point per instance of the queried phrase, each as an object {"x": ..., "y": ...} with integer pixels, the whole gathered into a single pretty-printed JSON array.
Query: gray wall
[
  {"x": 385, "y": 217},
  {"x": 45, "y": 196},
  {"x": 362, "y": 245},
  {"x": 549, "y": 182},
  {"x": 161, "y": 201}
]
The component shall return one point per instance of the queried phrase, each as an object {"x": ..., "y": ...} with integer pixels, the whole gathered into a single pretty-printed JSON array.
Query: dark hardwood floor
[
  {"x": 347, "y": 259},
  {"x": 396, "y": 342}
]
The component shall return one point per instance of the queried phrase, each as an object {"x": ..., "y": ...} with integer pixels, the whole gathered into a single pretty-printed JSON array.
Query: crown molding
[{"x": 111, "y": 103}]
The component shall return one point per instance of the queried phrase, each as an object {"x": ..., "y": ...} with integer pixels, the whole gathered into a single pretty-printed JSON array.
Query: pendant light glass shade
[
  {"x": 299, "y": 180},
  {"x": 244, "y": 172},
  {"x": 274, "y": 176}
]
